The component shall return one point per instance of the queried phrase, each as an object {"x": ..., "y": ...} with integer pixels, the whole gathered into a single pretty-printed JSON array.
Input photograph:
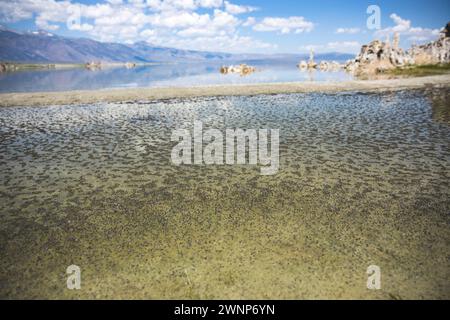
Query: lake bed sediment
[{"x": 363, "y": 180}]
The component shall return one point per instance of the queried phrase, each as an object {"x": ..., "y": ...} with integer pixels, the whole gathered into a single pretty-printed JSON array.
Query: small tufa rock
[
  {"x": 93, "y": 65},
  {"x": 329, "y": 66},
  {"x": 242, "y": 69},
  {"x": 303, "y": 64}
]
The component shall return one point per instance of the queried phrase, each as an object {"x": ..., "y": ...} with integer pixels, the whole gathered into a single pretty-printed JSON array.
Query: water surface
[
  {"x": 168, "y": 75},
  {"x": 364, "y": 179}
]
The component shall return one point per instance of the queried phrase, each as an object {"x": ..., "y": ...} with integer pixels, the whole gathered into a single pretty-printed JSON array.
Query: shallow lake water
[
  {"x": 168, "y": 75},
  {"x": 363, "y": 180}
]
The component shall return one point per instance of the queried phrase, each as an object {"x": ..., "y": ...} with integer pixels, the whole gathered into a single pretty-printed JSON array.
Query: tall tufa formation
[
  {"x": 434, "y": 52},
  {"x": 380, "y": 56},
  {"x": 396, "y": 41},
  {"x": 311, "y": 63}
]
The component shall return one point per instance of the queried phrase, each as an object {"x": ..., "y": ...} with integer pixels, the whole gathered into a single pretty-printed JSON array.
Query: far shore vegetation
[
  {"x": 15, "y": 66},
  {"x": 421, "y": 70},
  {"x": 6, "y": 66}
]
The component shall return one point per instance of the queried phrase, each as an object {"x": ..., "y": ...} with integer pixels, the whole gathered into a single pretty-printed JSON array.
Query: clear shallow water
[
  {"x": 179, "y": 75},
  {"x": 364, "y": 179}
]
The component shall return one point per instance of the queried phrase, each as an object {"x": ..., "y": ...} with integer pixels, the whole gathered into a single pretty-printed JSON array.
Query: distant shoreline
[
  {"x": 148, "y": 94},
  {"x": 24, "y": 66}
]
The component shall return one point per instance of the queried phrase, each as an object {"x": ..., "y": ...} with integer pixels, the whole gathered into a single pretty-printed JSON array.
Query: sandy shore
[{"x": 117, "y": 95}]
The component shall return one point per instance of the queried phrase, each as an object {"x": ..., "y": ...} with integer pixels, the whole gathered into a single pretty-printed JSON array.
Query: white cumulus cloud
[
  {"x": 284, "y": 25},
  {"x": 249, "y": 22},
  {"x": 405, "y": 28},
  {"x": 343, "y": 45},
  {"x": 348, "y": 30},
  {"x": 238, "y": 9},
  {"x": 190, "y": 24},
  {"x": 339, "y": 46}
]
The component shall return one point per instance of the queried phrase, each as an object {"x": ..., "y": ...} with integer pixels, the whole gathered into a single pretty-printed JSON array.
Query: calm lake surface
[
  {"x": 178, "y": 75},
  {"x": 364, "y": 179}
]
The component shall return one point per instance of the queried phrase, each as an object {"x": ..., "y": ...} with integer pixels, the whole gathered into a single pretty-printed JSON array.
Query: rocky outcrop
[
  {"x": 378, "y": 56},
  {"x": 434, "y": 52},
  {"x": 446, "y": 30}
]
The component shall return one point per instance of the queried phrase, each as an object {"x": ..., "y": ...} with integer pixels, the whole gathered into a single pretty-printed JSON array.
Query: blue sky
[{"x": 284, "y": 26}]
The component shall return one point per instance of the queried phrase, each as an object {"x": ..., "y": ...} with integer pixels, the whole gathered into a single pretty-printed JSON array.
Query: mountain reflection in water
[{"x": 179, "y": 75}]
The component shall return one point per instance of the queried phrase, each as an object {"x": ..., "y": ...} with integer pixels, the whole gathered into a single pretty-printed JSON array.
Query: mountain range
[{"x": 44, "y": 47}]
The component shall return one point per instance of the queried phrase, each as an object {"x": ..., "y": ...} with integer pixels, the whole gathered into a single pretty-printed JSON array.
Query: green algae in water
[{"x": 363, "y": 179}]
